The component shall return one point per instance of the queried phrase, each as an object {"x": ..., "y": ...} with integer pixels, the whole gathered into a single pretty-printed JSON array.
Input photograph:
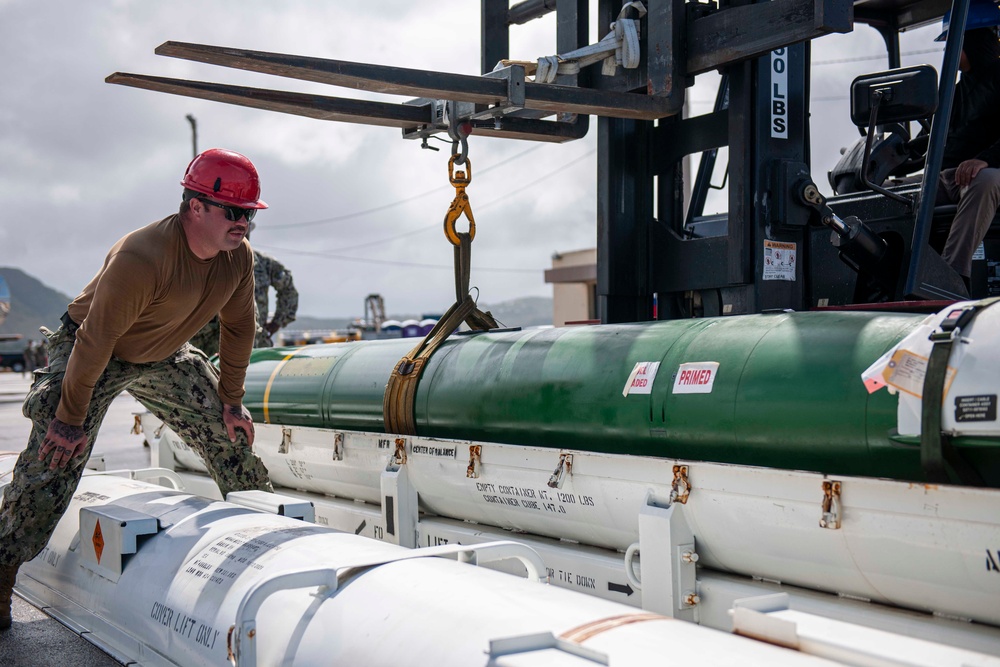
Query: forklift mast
[{"x": 774, "y": 249}]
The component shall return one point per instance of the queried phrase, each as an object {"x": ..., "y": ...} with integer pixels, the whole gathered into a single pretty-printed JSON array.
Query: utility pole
[{"x": 194, "y": 134}]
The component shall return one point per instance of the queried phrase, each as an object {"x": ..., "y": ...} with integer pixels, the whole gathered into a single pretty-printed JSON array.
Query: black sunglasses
[{"x": 233, "y": 213}]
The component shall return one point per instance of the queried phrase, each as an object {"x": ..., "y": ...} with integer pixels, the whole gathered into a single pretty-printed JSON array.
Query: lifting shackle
[{"x": 460, "y": 204}]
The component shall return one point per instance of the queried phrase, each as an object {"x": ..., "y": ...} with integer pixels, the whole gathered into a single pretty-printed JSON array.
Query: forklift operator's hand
[
  {"x": 967, "y": 171},
  {"x": 237, "y": 417}
]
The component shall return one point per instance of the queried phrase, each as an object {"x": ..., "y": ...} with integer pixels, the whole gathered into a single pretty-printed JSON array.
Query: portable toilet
[{"x": 392, "y": 329}]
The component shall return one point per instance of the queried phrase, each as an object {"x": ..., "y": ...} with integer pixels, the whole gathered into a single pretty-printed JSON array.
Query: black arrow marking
[
  {"x": 361, "y": 527},
  {"x": 618, "y": 588}
]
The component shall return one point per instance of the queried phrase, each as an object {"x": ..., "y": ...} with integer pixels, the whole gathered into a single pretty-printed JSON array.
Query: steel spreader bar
[{"x": 536, "y": 130}]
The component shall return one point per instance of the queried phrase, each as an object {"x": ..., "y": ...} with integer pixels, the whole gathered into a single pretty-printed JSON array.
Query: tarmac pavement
[{"x": 37, "y": 640}]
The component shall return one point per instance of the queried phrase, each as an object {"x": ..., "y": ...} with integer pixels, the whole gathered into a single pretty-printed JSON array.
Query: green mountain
[{"x": 32, "y": 305}]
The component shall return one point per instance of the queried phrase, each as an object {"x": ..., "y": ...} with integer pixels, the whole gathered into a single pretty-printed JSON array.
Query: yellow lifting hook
[{"x": 460, "y": 204}]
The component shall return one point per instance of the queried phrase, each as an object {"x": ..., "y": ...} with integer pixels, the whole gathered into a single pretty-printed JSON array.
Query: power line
[
  {"x": 839, "y": 61},
  {"x": 391, "y": 262},
  {"x": 437, "y": 225},
  {"x": 539, "y": 180},
  {"x": 880, "y": 56},
  {"x": 358, "y": 214}
]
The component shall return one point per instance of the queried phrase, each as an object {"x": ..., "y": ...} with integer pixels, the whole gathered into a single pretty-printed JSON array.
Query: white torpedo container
[{"x": 161, "y": 577}]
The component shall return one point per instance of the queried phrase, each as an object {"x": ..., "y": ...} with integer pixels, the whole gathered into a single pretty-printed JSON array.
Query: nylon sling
[{"x": 400, "y": 392}]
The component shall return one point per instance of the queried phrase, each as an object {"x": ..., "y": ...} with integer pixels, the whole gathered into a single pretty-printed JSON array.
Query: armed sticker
[
  {"x": 640, "y": 380},
  {"x": 696, "y": 378}
]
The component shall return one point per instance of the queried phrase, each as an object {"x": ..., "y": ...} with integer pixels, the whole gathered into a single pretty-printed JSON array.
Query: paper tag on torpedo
[
  {"x": 696, "y": 378},
  {"x": 906, "y": 371}
]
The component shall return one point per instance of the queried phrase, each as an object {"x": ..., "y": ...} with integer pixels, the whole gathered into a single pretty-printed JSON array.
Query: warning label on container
[
  {"x": 640, "y": 380},
  {"x": 981, "y": 408},
  {"x": 696, "y": 377},
  {"x": 779, "y": 261}
]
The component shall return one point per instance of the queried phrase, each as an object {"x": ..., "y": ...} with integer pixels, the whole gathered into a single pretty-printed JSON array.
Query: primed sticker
[
  {"x": 640, "y": 380},
  {"x": 779, "y": 261},
  {"x": 696, "y": 377}
]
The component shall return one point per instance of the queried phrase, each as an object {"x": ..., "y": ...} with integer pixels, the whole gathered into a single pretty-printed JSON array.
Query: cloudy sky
[{"x": 354, "y": 209}]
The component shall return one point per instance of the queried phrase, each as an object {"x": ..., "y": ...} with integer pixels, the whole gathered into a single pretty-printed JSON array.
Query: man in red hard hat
[{"x": 128, "y": 331}]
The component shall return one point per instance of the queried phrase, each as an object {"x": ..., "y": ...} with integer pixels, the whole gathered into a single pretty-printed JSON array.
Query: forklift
[{"x": 782, "y": 244}]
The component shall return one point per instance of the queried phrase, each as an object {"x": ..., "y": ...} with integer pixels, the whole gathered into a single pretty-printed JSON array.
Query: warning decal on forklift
[
  {"x": 640, "y": 380},
  {"x": 696, "y": 378},
  {"x": 779, "y": 261}
]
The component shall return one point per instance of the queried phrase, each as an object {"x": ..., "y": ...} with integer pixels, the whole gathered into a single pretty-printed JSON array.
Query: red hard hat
[{"x": 226, "y": 176}]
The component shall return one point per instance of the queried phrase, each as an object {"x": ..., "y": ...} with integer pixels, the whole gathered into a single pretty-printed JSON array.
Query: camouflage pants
[{"x": 181, "y": 390}]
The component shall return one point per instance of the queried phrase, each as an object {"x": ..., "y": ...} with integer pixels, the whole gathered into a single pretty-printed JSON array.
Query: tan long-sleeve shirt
[{"x": 149, "y": 298}]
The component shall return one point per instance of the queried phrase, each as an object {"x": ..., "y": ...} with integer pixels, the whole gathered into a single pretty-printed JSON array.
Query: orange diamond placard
[{"x": 98, "y": 542}]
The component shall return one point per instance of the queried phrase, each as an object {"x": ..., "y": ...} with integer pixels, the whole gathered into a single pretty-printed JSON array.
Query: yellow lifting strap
[{"x": 398, "y": 401}]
